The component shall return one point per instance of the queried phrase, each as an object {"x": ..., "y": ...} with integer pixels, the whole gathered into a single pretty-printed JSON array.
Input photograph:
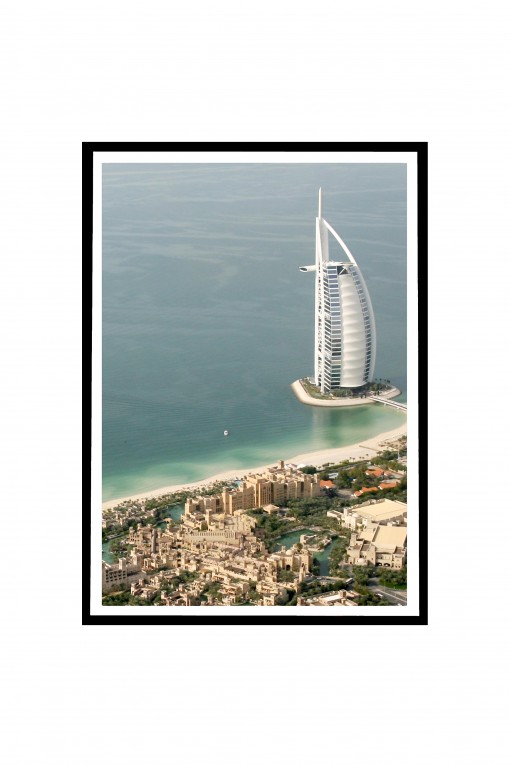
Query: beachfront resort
[
  {"x": 321, "y": 529},
  {"x": 289, "y": 535}
]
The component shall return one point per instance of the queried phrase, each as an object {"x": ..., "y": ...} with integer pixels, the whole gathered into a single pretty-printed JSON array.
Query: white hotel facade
[{"x": 344, "y": 319}]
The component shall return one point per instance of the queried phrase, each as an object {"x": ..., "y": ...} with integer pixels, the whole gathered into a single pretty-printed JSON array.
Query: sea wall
[{"x": 305, "y": 397}]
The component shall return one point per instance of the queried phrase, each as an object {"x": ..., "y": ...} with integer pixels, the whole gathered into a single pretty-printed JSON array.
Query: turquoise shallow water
[{"x": 207, "y": 319}]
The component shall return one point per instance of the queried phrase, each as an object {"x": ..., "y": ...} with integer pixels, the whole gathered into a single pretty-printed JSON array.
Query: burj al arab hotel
[{"x": 344, "y": 318}]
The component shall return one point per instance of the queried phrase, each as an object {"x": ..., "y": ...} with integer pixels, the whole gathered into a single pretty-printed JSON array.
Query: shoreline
[
  {"x": 319, "y": 457},
  {"x": 305, "y": 398}
]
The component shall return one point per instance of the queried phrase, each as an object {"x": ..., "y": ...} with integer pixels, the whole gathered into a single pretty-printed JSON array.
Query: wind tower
[{"x": 344, "y": 354}]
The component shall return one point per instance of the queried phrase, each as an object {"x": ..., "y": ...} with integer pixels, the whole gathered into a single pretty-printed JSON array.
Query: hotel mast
[{"x": 344, "y": 319}]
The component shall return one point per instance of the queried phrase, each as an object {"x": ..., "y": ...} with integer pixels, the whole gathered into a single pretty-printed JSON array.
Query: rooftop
[
  {"x": 385, "y": 537},
  {"x": 381, "y": 511}
]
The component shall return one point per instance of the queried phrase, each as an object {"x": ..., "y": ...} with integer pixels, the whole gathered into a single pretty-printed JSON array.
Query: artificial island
[{"x": 321, "y": 529}]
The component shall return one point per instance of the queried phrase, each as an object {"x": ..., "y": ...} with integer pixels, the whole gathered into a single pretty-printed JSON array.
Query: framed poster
[{"x": 258, "y": 342}]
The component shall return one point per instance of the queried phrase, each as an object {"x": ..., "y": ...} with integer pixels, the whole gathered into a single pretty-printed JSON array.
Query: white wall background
[{"x": 224, "y": 71}]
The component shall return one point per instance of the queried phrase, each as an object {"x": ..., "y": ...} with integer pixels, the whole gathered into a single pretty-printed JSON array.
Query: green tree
[
  {"x": 362, "y": 575},
  {"x": 395, "y": 579},
  {"x": 337, "y": 553},
  {"x": 371, "y": 599}
]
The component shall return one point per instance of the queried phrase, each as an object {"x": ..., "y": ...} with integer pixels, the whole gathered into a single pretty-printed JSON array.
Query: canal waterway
[{"x": 292, "y": 537}]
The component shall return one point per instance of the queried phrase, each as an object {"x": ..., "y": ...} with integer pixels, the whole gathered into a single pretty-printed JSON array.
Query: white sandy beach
[{"x": 364, "y": 449}]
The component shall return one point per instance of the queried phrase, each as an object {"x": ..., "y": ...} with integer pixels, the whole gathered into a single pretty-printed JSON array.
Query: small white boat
[{"x": 225, "y": 432}]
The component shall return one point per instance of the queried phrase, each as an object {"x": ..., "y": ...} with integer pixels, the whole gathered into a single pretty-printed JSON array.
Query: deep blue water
[{"x": 207, "y": 319}]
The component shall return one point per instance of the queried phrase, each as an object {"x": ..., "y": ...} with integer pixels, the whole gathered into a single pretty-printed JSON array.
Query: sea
[{"x": 207, "y": 320}]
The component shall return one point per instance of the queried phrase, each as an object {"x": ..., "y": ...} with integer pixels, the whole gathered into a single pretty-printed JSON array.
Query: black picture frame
[{"x": 263, "y": 616}]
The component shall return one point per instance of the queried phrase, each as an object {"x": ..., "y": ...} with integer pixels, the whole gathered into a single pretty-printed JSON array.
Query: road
[{"x": 395, "y": 596}]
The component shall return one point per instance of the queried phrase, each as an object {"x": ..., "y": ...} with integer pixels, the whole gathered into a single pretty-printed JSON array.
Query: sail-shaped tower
[{"x": 344, "y": 318}]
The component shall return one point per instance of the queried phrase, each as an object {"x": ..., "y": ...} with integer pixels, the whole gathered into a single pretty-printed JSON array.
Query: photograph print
[{"x": 257, "y": 312}]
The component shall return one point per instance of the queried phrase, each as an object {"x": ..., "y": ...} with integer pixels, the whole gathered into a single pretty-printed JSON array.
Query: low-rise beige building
[
  {"x": 379, "y": 546},
  {"x": 296, "y": 560},
  {"x": 119, "y": 574},
  {"x": 336, "y": 598},
  {"x": 382, "y": 511},
  {"x": 141, "y": 590}
]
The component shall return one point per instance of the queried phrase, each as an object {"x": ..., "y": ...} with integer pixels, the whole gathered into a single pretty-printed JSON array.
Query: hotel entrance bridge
[{"x": 388, "y": 402}]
